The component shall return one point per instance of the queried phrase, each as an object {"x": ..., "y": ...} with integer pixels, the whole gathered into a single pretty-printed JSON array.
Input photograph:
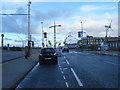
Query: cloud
[
  {"x": 91, "y": 8},
  {"x": 61, "y": 1},
  {"x": 70, "y": 21},
  {"x": 19, "y": 24},
  {"x": 8, "y": 39},
  {"x": 51, "y": 15}
]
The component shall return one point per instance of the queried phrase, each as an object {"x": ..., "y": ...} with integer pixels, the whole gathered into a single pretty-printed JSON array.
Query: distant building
[{"x": 113, "y": 42}]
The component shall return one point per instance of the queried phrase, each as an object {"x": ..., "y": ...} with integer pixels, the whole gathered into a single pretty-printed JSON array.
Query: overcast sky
[{"x": 94, "y": 16}]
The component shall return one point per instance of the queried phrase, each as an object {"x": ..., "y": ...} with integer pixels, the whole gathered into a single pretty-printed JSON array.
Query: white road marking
[
  {"x": 62, "y": 72},
  {"x": 67, "y": 61},
  {"x": 110, "y": 63},
  {"x": 61, "y": 69},
  {"x": 66, "y": 84},
  {"x": 65, "y": 68},
  {"x": 64, "y": 77},
  {"x": 76, "y": 77}
]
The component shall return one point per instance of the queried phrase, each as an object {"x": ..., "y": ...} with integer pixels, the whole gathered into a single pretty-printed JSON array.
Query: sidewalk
[
  {"x": 11, "y": 55},
  {"x": 14, "y": 71}
]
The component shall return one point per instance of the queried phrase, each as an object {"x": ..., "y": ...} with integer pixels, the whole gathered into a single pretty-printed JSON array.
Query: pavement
[
  {"x": 15, "y": 70},
  {"x": 10, "y": 55}
]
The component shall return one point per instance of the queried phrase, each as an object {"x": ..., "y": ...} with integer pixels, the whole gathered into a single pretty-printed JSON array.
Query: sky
[{"x": 94, "y": 17}]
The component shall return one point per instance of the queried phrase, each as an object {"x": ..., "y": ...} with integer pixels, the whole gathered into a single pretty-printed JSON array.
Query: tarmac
[
  {"x": 108, "y": 53},
  {"x": 14, "y": 71}
]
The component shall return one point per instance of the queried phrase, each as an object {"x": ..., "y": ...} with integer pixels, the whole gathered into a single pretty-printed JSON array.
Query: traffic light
[
  {"x": 32, "y": 44},
  {"x": 49, "y": 42},
  {"x": 45, "y": 35},
  {"x": 43, "y": 44},
  {"x": 59, "y": 43}
]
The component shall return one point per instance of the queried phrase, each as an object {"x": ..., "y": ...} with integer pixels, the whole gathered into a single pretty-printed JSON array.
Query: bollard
[{"x": 26, "y": 52}]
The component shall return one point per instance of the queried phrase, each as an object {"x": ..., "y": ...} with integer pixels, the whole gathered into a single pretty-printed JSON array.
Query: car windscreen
[{"x": 47, "y": 50}]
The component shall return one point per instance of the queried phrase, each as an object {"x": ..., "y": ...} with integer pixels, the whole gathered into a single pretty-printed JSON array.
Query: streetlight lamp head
[
  {"x": 51, "y": 26},
  {"x": 59, "y": 25}
]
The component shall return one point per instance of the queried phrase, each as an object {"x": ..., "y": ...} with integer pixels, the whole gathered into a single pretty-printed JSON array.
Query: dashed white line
[
  {"x": 67, "y": 61},
  {"x": 110, "y": 62},
  {"x": 76, "y": 77},
  {"x": 65, "y": 68},
  {"x": 67, "y": 85},
  {"x": 62, "y": 72},
  {"x": 61, "y": 69},
  {"x": 64, "y": 77}
]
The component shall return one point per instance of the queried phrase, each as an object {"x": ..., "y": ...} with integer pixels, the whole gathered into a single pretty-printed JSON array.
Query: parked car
[
  {"x": 65, "y": 49},
  {"x": 48, "y": 55}
]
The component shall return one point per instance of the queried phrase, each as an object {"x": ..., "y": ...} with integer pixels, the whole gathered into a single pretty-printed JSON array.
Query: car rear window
[{"x": 47, "y": 50}]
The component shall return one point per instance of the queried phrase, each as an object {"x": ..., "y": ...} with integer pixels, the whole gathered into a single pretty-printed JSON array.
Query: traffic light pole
[
  {"x": 2, "y": 41},
  {"x": 42, "y": 35},
  {"x": 54, "y": 36},
  {"x": 82, "y": 28}
]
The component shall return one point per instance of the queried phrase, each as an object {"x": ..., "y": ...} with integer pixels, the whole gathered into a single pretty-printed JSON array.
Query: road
[{"x": 75, "y": 70}]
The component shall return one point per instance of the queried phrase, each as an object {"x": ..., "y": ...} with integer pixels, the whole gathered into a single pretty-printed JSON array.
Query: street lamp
[
  {"x": 55, "y": 33},
  {"x": 29, "y": 28}
]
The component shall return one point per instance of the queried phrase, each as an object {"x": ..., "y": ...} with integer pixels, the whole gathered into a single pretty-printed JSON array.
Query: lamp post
[
  {"x": 55, "y": 33},
  {"x": 29, "y": 28}
]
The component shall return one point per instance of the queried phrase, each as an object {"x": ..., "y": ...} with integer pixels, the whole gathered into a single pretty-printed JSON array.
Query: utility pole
[
  {"x": 54, "y": 36},
  {"x": 29, "y": 28},
  {"x": 55, "y": 33}
]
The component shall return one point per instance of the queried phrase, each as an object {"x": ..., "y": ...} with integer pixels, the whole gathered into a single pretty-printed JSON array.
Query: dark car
[
  {"x": 65, "y": 49},
  {"x": 48, "y": 55}
]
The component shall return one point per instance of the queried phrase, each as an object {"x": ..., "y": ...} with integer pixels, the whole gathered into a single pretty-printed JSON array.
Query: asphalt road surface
[{"x": 75, "y": 70}]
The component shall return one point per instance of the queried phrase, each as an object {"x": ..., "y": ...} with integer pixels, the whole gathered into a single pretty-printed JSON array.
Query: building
[{"x": 112, "y": 42}]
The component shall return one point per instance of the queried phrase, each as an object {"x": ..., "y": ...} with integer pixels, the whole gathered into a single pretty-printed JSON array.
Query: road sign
[{"x": 80, "y": 34}]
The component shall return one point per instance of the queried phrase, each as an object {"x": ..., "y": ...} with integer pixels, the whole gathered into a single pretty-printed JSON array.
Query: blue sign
[{"x": 80, "y": 34}]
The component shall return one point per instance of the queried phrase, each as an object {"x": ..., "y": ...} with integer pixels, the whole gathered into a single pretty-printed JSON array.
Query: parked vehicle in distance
[
  {"x": 48, "y": 55},
  {"x": 65, "y": 49}
]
